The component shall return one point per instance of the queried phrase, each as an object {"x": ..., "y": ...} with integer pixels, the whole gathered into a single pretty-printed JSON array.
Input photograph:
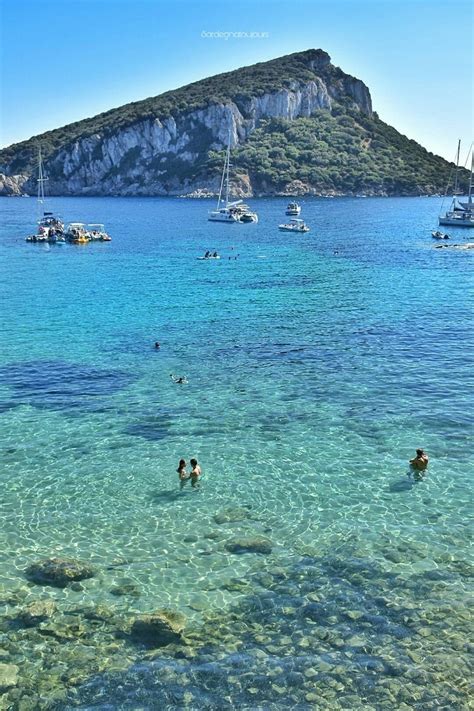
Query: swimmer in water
[
  {"x": 182, "y": 473},
  {"x": 195, "y": 474},
  {"x": 419, "y": 464},
  {"x": 157, "y": 346},
  {"x": 182, "y": 380}
]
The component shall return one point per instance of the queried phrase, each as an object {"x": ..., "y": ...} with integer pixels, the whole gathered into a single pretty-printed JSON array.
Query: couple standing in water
[{"x": 194, "y": 474}]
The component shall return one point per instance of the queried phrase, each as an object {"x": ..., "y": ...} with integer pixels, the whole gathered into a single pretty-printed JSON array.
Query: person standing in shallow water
[
  {"x": 419, "y": 464},
  {"x": 182, "y": 473},
  {"x": 195, "y": 474}
]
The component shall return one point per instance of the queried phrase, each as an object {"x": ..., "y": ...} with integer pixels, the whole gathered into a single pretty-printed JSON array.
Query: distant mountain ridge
[{"x": 298, "y": 125}]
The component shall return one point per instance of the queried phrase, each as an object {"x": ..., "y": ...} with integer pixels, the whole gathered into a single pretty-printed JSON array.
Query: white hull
[
  {"x": 456, "y": 221},
  {"x": 285, "y": 228},
  {"x": 221, "y": 217}
]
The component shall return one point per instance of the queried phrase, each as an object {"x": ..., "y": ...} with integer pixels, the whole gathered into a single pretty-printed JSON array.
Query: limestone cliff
[{"x": 165, "y": 145}]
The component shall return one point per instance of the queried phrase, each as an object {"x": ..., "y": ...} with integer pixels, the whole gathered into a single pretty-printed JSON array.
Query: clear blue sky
[{"x": 64, "y": 60}]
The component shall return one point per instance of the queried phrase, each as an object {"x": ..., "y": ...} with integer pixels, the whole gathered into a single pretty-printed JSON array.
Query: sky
[{"x": 65, "y": 60}]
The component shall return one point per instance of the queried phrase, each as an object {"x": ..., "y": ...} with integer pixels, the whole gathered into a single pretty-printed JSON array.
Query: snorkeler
[{"x": 182, "y": 380}]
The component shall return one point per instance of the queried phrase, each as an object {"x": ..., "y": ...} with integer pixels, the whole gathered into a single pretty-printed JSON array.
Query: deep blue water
[{"x": 317, "y": 364}]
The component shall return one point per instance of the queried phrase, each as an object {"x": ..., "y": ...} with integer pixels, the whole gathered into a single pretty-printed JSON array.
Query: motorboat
[
  {"x": 77, "y": 233},
  {"x": 245, "y": 214},
  {"x": 439, "y": 235},
  {"x": 97, "y": 233},
  {"x": 293, "y": 209},
  {"x": 295, "y": 225}
]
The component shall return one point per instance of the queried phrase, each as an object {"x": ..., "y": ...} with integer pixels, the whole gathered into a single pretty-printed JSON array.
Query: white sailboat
[
  {"x": 460, "y": 214},
  {"x": 50, "y": 227},
  {"x": 226, "y": 211}
]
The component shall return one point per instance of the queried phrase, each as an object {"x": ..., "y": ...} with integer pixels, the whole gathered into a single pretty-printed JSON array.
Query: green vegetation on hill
[
  {"x": 342, "y": 150},
  {"x": 239, "y": 86},
  {"x": 345, "y": 152}
]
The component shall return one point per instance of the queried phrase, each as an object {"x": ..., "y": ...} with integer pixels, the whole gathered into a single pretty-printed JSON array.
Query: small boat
[
  {"x": 97, "y": 233},
  {"x": 439, "y": 235},
  {"x": 76, "y": 233},
  {"x": 209, "y": 255},
  {"x": 293, "y": 209},
  {"x": 245, "y": 214},
  {"x": 294, "y": 225}
]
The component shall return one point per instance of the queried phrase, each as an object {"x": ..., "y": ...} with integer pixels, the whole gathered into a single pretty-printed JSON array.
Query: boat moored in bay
[
  {"x": 293, "y": 209},
  {"x": 50, "y": 226},
  {"x": 295, "y": 225},
  {"x": 226, "y": 211},
  {"x": 460, "y": 214}
]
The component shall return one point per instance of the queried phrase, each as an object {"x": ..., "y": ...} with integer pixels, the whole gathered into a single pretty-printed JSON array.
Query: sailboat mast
[
  {"x": 470, "y": 178},
  {"x": 227, "y": 174},
  {"x": 220, "y": 189},
  {"x": 457, "y": 168},
  {"x": 40, "y": 184}
]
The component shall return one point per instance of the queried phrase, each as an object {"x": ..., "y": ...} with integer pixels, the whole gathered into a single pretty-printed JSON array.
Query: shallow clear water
[{"x": 316, "y": 365}]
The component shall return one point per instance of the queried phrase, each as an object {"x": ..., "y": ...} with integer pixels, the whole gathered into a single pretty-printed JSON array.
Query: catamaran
[
  {"x": 226, "y": 211},
  {"x": 50, "y": 227},
  {"x": 460, "y": 214}
]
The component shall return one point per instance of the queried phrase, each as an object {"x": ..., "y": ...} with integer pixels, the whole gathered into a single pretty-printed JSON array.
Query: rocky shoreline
[
  {"x": 339, "y": 631},
  {"x": 9, "y": 188}
]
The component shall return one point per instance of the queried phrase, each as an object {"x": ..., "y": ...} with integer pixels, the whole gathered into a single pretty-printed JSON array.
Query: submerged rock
[
  {"x": 232, "y": 515},
  {"x": 8, "y": 676},
  {"x": 37, "y": 612},
  {"x": 129, "y": 589},
  {"x": 62, "y": 629},
  {"x": 58, "y": 572},
  {"x": 251, "y": 544},
  {"x": 158, "y": 628}
]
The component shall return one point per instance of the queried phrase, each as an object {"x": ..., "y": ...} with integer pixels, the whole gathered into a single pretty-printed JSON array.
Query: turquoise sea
[{"x": 317, "y": 364}]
